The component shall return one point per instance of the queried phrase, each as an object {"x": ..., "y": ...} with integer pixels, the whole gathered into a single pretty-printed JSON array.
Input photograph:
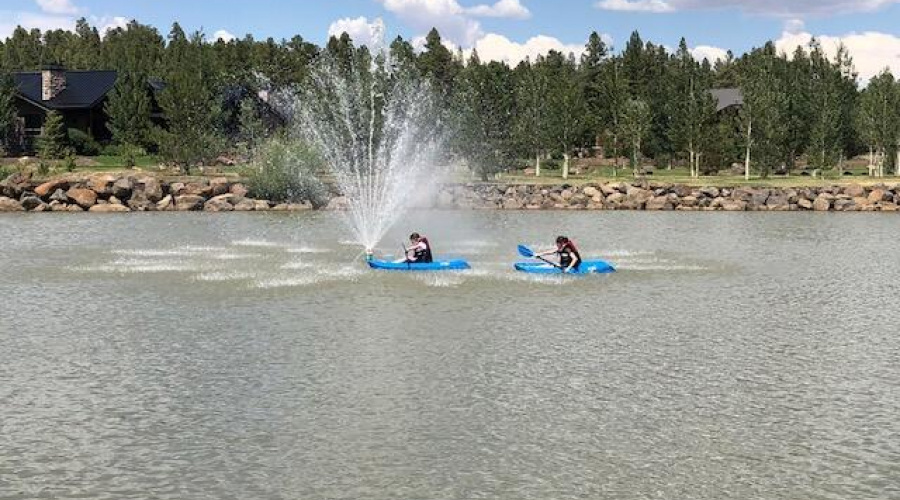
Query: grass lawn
[{"x": 682, "y": 176}]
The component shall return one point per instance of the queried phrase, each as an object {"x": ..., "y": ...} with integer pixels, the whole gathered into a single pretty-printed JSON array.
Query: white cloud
[
  {"x": 512, "y": 9},
  {"x": 794, "y": 8},
  {"x": 58, "y": 7},
  {"x": 494, "y": 47},
  {"x": 712, "y": 54},
  {"x": 794, "y": 25},
  {"x": 29, "y": 20},
  {"x": 224, "y": 35},
  {"x": 107, "y": 23},
  {"x": 361, "y": 30},
  {"x": 871, "y": 51},
  {"x": 655, "y": 6},
  {"x": 454, "y": 22}
]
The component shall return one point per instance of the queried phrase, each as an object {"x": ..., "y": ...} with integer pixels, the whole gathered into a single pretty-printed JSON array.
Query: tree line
[{"x": 643, "y": 103}]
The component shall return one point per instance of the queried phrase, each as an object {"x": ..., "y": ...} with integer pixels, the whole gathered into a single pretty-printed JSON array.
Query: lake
[{"x": 172, "y": 356}]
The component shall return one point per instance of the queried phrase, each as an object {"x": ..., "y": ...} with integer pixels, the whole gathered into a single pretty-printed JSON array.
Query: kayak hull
[
  {"x": 438, "y": 265},
  {"x": 586, "y": 267}
]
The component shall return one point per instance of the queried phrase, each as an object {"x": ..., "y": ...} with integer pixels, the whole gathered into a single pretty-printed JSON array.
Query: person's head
[
  {"x": 415, "y": 237},
  {"x": 561, "y": 240}
]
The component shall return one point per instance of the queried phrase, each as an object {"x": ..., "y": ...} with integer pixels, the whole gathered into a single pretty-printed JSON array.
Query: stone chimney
[{"x": 53, "y": 81}]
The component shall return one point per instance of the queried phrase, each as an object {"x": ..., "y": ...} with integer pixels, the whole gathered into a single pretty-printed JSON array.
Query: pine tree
[
  {"x": 765, "y": 110},
  {"x": 188, "y": 104},
  {"x": 566, "y": 122},
  {"x": 7, "y": 113},
  {"x": 595, "y": 56},
  {"x": 531, "y": 90},
  {"x": 128, "y": 109},
  {"x": 614, "y": 89},
  {"x": 692, "y": 107},
  {"x": 53, "y": 141},
  {"x": 875, "y": 118}
]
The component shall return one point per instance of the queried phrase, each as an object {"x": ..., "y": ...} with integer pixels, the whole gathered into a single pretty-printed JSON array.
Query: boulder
[
  {"x": 261, "y": 205},
  {"x": 566, "y": 194},
  {"x": 219, "y": 186},
  {"x": 60, "y": 196},
  {"x": 102, "y": 184},
  {"x": 822, "y": 204},
  {"x": 855, "y": 191},
  {"x": 43, "y": 207},
  {"x": 590, "y": 191},
  {"x": 198, "y": 188},
  {"x": 244, "y": 205},
  {"x": 151, "y": 188},
  {"x": 85, "y": 198},
  {"x": 689, "y": 201},
  {"x": 711, "y": 192},
  {"x": 166, "y": 204},
  {"x": 338, "y": 203},
  {"x": 616, "y": 198},
  {"x": 218, "y": 204},
  {"x": 122, "y": 188},
  {"x": 15, "y": 184},
  {"x": 31, "y": 202},
  {"x": 607, "y": 189},
  {"x": 734, "y": 205},
  {"x": 10, "y": 205},
  {"x": 176, "y": 188},
  {"x": 74, "y": 208},
  {"x": 239, "y": 190},
  {"x": 189, "y": 202},
  {"x": 878, "y": 195},
  {"x": 109, "y": 208},
  {"x": 805, "y": 204},
  {"x": 56, "y": 206},
  {"x": 889, "y": 207},
  {"x": 778, "y": 201},
  {"x": 512, "y": 204},
  {"x": 660, "y": 203},
  {"x": 140, "y": 203},
  {"x": 844, "y": 205},
  {"x": 53, "y": 186},
  {"x": 115, "y": 201},
  {"x": 638, "y": 196}
]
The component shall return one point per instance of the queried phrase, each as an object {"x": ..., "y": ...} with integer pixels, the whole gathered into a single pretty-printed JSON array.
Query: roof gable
[{"x": 84, "y": 89}]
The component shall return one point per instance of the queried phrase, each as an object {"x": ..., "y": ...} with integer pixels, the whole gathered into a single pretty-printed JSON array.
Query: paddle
[{"x": 526, "y": 252}]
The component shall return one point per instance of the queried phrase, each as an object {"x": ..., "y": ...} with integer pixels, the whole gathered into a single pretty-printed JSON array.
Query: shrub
[
  {"x": 83, "y": 143},
  {"x": 130, "y": 154},
  {"x": 285, "y": 171},
  {"x": 53, "y": 142},
  {"x": 69, "y": 163}
]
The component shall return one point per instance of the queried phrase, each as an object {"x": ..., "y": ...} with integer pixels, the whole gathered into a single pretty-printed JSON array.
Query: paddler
[
  {"x": 569, "y": 258},
  {"x": 419, "y": 250}
]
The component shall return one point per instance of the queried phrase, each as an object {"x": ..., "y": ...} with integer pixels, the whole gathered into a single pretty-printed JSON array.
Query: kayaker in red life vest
[
  {"x": 569, "y": 258},
  {"x": 420, "y": 250}
]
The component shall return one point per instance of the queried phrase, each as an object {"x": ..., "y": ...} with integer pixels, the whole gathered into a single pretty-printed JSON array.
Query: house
[{"x": 79, "y": 96}]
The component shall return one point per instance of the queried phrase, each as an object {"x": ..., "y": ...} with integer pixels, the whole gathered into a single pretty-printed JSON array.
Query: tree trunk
[
  {"x": 691, "y": 154},
  {"x": 615, "y": 155},
  {"x": 871, "y": 160},
  {"x": 747, "y": 159},
  {"x": 565, "y": 169},
  {"x": 897, "y": 163},
  {"x": 537, "y": 164}
]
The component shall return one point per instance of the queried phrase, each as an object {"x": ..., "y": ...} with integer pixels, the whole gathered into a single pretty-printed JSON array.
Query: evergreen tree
[
  {"x": 614, "y": 91},
  {"x": 764, "y": 111},
  {"x": 7, "y": 113},
  {"x": 826, "y": 106},
  {"x": 876, "y": 118},
  {"x": 531, "y": 89},
  {"x": 188, "y": 104},
  {"x": 566, "y": 122},
  {"x": 483, "y": 116},
  {"x": 592, "y": 62},
  {"x": 53, "y": 141},
  {"x": 128, "y": 108}
]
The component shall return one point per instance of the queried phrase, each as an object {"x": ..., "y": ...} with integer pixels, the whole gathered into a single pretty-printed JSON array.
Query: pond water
[{"x": 243, "y": 356}]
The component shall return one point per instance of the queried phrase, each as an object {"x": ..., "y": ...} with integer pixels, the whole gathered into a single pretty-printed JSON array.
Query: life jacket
[
  {"x": 424, "y": 255},
  {"x": 568, "y": 253}
]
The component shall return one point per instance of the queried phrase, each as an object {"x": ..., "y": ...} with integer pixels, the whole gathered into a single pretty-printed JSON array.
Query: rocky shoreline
[{"x": 142, "y": 192}]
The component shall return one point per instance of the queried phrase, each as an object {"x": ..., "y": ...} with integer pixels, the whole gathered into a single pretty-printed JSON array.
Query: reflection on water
[{"x": 254, "y": 356}]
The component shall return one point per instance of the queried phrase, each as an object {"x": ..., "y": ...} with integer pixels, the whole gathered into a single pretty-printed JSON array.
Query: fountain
[{"x": 373, "y": 119}]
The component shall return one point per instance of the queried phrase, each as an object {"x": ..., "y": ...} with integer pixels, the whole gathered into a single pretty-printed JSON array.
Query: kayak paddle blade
[{"x": 525, "y": 251}]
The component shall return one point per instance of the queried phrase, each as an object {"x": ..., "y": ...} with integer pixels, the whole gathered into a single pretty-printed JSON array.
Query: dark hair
[
  {"x": 561, "y": 240},
  {"x": 414, "y": 236}
]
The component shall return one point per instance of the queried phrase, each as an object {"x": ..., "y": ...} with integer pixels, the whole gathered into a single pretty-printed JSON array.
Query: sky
[{"x": 510, "y": 30}]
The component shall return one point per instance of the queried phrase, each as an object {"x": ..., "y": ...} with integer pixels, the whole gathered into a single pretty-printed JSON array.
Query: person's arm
[
  {"x": 575, "y": 261},
  {"x": 544, "y": 254}
]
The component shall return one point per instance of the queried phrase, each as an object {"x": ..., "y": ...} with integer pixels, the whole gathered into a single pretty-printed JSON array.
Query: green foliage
[
  {"x": 285, "y": 171},
  {"x": 83, "y": 143},
  {"x": 129, "y": 108},
  {"x": 7, "y": 111},
  {"x": 53, "y": 142},
  {"x": 191, "y": 111},
  {"x": 636, "y": 120},
  {"x": 69, "y": 163}
]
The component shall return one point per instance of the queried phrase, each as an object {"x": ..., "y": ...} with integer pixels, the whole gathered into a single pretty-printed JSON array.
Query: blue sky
[{"x": 510, "y": 29}]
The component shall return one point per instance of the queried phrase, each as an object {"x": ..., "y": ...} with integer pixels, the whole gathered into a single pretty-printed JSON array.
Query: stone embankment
[
  {"x": 657, "y": 196},
  {"x": 130, "y": 193},
  {"x": 136, "y": 192}
]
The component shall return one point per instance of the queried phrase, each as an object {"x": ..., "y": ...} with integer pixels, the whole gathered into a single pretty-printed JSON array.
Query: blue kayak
[
  {"x": 438, "y": 265},
  {"x": 586, "y": 267}
]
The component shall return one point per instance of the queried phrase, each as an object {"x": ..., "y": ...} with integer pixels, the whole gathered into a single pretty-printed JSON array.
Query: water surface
[{"x": 241, "y": 356}]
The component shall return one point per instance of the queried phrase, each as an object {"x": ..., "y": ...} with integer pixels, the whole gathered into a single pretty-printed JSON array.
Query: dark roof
[
  {"x": 84, "y": 89},
  {"x": 726, "y": 98}
]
